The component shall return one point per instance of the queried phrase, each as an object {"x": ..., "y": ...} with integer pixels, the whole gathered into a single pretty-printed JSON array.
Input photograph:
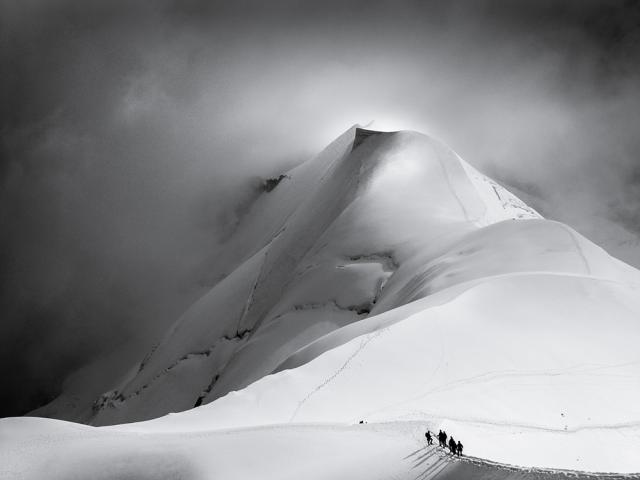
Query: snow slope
[
  {"x": 385, "y": 280},
  {"x": 385, "y": 451}
]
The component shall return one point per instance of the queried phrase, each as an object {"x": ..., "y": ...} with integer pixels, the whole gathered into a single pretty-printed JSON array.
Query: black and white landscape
[{"x": 188, "y": 292}]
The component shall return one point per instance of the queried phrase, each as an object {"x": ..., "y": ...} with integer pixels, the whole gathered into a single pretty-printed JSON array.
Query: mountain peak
[
  {"x": 388, "y": 279},
  {"x": 362, "y": 134}
]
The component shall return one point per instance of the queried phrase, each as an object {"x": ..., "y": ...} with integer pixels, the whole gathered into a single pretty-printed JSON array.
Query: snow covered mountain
[
  {"x": 385, "y": 280},
  {"x": 314, "y": 255}
]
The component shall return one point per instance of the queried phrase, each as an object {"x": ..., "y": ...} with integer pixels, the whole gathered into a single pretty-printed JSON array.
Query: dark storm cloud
[{"x": 132, "y": 130}]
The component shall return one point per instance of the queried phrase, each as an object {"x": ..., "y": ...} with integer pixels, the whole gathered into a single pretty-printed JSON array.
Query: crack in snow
[
  {"x": 386, "y": 259},
  {"x": 207, "y": 390},
  {"x": 112, "y": 398},
  {"x": 363, "y": 308}
]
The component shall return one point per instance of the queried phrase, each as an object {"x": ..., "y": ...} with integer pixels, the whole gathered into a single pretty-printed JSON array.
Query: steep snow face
[
  {"x": 314, "y": 255},
  {"x": 388, "y": 280}
]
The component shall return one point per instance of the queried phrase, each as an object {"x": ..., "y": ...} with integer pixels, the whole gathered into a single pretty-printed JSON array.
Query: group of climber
[{"x": 454, "y": 447}]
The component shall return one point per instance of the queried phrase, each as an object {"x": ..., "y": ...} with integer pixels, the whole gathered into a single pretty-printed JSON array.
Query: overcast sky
[{"x": 131, "y": 130}]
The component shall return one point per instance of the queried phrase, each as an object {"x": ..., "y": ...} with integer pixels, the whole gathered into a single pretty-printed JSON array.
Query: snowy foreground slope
[{"x": 388, "y": 281}]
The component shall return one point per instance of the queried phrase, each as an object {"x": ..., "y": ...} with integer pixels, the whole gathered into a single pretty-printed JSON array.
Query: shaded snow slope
[{"x": 388, "y": 280}]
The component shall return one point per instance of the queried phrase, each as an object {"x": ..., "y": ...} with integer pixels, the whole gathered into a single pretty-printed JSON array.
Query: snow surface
[{"x": 385, "y": 281}]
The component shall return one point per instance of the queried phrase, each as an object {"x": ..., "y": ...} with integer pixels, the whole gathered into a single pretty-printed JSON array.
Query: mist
[{"x": 131, "y": 132}]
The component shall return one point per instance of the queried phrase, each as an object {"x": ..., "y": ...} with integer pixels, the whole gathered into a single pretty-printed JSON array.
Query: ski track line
[
  {"x": 584, "y": 369},
  {"x": 363, "y": 344},
  {"x": 578, "y": 248},
  {"x": 531, "y": 426},
  {"x": 487, "y": 376}
]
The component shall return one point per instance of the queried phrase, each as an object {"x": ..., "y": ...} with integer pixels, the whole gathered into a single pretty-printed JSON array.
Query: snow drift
[{"x": 385, "y": 280}]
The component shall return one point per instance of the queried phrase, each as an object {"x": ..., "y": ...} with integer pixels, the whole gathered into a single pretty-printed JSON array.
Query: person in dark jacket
[
  {"x": 444, "y": 439},
  {"x": 452, "y": 446},
  {"x": 460, "y": 447},
  {"x": 429, "y": 438}
]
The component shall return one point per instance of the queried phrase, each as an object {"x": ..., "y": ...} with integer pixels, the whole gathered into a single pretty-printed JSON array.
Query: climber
[
  {"x": 444, "y": 439},
  {"x": 452, "y": 446}
]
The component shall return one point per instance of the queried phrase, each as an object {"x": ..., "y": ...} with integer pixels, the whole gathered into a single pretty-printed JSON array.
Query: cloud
[{"x": 131, "y": 131}]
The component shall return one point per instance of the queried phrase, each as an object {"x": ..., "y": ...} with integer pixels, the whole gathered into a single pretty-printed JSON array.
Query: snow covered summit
[
  {"x": 387, "y": 280},
  {"x": 314, "y": 255}
]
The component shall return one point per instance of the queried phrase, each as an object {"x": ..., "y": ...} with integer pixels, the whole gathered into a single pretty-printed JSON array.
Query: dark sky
[{"x": 132, "y": 130}]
